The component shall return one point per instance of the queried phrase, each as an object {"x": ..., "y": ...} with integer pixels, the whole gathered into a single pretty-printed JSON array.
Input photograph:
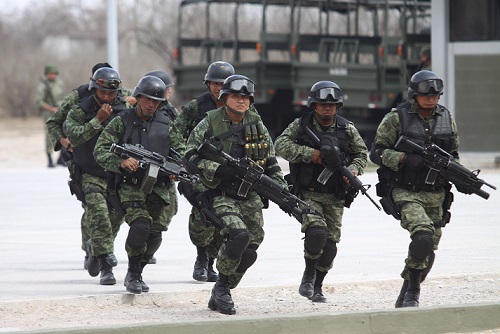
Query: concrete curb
[{"x": 465, "y": 318}]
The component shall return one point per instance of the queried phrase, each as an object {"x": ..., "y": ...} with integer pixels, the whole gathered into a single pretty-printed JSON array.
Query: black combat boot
[
  {"x": 85, "y": 260},
  {"x": 200, "y": 272},
  {"x": 60, "y": 160},
  {"x": 221, "y": 300},
  {"x": 51, "y": 164},
  {"x": 152, "y": 260},
  {"x": 306, "y": 288},
  {"x": 211, "y": 273},
  {"x": 107, "y": 277},
  {"x": 92, "y": 261},
  {"x": 318, "y": 297},
  {"x": 401, "y": 297},
  {"x": 413, "y": 293},
  {"x": 113, "y": 261},
  {"x": 133, "y": 279}
]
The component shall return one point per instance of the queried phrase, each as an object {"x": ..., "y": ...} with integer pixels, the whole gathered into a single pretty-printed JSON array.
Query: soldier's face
[
  {"x": 427, "y": 102},
  {"x": 326, "y": 111},
  {"x": 238, "y": 102},
  {"x": 106, "y": 96},
  {"x": 215, "y": 88},
  {"x": 148, "y": 106}
]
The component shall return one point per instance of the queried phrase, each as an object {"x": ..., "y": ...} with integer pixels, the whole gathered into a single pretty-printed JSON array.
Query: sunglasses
[
  {"x": 424, "y": 87},
  {"x": 111, "y": 84},
  {"x": 323, "y": 93}
]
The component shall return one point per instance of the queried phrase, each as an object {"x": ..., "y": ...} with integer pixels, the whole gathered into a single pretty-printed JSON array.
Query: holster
[
  {"x": 448, "y": 200},
  {"x": 112, "y": 198},
  {"x": 75, "y": 185}
]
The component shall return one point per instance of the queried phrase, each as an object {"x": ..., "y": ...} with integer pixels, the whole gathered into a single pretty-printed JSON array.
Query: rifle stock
[{"x": 442, "y": 166}]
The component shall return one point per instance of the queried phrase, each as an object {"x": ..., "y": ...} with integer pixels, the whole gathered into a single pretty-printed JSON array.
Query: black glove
[
  {"x": 464, "y": 188},
  {"x": 413, "y": 161},
  {"x": 226, "y": 173}
]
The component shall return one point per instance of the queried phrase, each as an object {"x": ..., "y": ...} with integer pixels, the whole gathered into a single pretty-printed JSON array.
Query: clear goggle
[
  {"x": 424, "y": 87},
  {"x": 110, "y": 84},
  {"x": 242, "y": 84},
  {"x": 323, "y": 93}
]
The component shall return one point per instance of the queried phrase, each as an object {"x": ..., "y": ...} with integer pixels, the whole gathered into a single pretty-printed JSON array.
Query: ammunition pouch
[{"x": 75, "y": 184}]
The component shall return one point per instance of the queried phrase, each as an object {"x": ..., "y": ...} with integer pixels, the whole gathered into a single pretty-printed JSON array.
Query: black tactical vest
[
  {"x": 437, "y": 131},
  {"x": 83, "y": 154},
  {"x": 305, "y": 175}
]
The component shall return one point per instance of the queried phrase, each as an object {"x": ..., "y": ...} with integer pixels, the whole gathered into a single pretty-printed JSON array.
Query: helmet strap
[{"x": 235, "y": 111}]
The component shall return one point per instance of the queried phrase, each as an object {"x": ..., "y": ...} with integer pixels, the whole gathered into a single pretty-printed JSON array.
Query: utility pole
[{"x": 113, "y": 58}]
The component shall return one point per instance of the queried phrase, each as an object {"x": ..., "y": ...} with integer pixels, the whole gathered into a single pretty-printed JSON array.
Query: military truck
[{"x": 370, "y": 48}]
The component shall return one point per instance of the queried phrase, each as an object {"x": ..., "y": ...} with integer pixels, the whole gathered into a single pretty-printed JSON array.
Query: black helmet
[
  {"x": 152, "y": 87},
  {"x": 218, "y": 72},
  {"x": 105, "y": 78},
  {"x": 325, "y": 92},
  {"x": 238, "y": 84},
  {"x": 425, "y": 83},
  {"x": 164, "y": 76}
]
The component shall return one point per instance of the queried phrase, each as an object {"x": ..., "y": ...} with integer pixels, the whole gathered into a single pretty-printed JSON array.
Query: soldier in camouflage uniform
[
  {"x": 322, "y": 233},
  {"x": 206, "y": 238},
  {"x": 56, "y": 129},
  {"x": 239, "y": 132},
  {"x": 84, "y": 123},
  {"x": 420, "y": 207},
  {"x": 146, "y": 213},
  {"x": 49, "y": 95}
]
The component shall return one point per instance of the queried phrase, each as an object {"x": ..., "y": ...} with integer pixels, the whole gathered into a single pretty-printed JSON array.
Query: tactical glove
[
  {"x": 413, "y": 161},
  {"x": 464, "y": 188}
]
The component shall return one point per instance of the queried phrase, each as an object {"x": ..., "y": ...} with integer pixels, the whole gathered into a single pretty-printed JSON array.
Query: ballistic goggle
[
  {"x": 109, "y": 84},
  {"x": 424, "y": 87},
  {"x": 242, "y": 84},
  {"x": 323, "y": 93}
]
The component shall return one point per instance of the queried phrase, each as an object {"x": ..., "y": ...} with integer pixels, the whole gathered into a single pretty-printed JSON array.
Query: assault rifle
[
  {"x": 334, "y": 154},
  {"x": 442, "y": 166},
  {"x": 262, "y": 184},
  {"x": 155, "y": 164}
]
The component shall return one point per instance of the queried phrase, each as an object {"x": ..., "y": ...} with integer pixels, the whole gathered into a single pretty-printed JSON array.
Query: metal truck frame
[{"x": 350, "y": 42}]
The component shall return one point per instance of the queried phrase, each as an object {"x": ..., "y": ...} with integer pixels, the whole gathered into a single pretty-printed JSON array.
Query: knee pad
[
  {"x": 153, "y": 244},
  {"x": 236, "y": 244},
  {"x": 315, "y": 239},
  {"x": 138, "y": 233},
  {"x": 329, "y": 253},
  {"x": 422, "y": 245},
  {"x": 248, "y": 258}
]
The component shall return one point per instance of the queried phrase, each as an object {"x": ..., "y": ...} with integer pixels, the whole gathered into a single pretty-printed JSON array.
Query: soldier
[
  {"x": 49, "y": 95},
  {"x": 322, "y": 233},
  {"x": 421, "y": 207},
  {"x": 84, "y": 123},
  {"x": 239, "y": 132},
  {"x": 56, "y": 130},
  {"x": 171, "y": 112},
  {"x": 206, "y": 238},
  {"x": 146, "y": 214}
]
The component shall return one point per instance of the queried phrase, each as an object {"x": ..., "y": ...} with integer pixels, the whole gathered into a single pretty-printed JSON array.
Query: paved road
[{"x": 41, "y": 258}]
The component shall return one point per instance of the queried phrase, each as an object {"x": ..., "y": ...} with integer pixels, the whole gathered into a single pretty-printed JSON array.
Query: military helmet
[
  {"x": 105, "y": 78},
  {"x": 50, "y": 68},
  {"x": 218, "y": 72},
  {"x": 325, "y": 92},
  {"x": 425, "y": 83},
  {"x": 164, "y": 76},
  {"x": 152, "y": 87},
  {"x": 238, "y": 84}
]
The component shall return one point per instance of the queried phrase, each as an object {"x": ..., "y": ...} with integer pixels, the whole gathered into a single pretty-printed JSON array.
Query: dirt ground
[{"x": 22, "y": 145}]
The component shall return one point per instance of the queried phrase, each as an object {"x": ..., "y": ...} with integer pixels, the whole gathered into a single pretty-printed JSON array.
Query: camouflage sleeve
[
  {"x": 183, "y": 122},
  {"x": 176, "y": 140},
  {"x": 112, "y": 134},
  {"x": 387, "y": 134},
  {"x": 78, "y": 130},
  {"x": 277, "y": 173},
  {"x": 359, "y": 151},
  {"x": 55, "y": 122},
  {"x": 207, "y": 167},
  {"x": 456, "y": 144},
  {"x": 126, "y": 91},
  {"x": 40, "y": 95},
  {"x": 288, "y": 149}
]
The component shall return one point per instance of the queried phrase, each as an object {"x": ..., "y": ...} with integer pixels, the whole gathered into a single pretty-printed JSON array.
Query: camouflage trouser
[
  {"x": 419, "y": 212},
  {"x": 174, "y": 203},
  {"x": 238, "y": 215},
  {"x": 104, "y": 223},
  {"x": 332, "y": 210},
  {"x": 85, "y": 220},
  {"x": 151, "y": 207},
  {"x": 204, "y": 236},
  {"x": 49, "y": 147}
]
